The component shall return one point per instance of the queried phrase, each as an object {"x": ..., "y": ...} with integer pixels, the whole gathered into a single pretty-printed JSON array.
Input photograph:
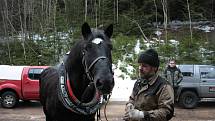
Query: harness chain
[{"x": 75, "y": 105}]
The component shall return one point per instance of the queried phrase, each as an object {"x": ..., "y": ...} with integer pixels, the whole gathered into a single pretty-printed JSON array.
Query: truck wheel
[
  {"x": 188, "y": 99},
  {"x": 9, "y": 99}
]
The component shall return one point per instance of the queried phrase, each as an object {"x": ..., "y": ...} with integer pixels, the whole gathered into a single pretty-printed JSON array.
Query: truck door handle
[{"x": 204, "y": 81}]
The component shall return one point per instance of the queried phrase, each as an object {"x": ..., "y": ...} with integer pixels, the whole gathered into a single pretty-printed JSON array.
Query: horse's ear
[
  {"x": 109, "y": 31},
  {"x": 86, "y": 31}
]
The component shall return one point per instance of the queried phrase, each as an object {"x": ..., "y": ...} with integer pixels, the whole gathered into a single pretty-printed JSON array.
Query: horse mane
[{"x": 74, "y": 57}]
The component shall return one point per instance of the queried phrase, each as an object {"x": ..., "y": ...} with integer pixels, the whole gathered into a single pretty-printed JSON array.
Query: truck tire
[
  {"x": 188, "y": 99},
  {"x": 9, "y": 99}
]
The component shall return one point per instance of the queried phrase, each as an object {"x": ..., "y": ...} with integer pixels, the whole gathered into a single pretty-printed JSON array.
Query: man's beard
[{"x": 147, "y": 76}]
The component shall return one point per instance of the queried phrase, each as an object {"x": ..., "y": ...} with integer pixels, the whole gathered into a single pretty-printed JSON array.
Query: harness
[{"x": 68, "y": 98}]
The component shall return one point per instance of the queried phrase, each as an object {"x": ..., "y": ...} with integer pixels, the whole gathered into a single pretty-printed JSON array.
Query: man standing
[
  {"x": 173, "y": 75},
  {"x": 152, "y": 98}
]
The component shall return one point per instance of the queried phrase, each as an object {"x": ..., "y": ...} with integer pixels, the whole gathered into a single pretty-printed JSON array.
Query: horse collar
[{"x": 69, "y": 100}]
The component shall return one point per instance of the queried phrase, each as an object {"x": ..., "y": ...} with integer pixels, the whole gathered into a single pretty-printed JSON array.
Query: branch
[{"x": 138, "y": 25}]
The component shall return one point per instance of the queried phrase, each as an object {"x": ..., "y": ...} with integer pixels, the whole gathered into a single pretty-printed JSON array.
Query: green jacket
[
  {"x": 156, "y": 99},
  {"x": 173, "y": 75}
]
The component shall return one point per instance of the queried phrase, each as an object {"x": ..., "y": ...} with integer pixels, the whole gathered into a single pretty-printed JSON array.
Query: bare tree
[
  {"x": 212, "y": 9},
  {"x": 117, "y": 11},
  {"x": 95, "y": 5},
  {"x": 22, "y": 28},
  {"x": 191, "y": 32},
  {"x": 4, "y": 15},
  {"x": 164, "y": 4},
  {"x": 85, "y": 16}
]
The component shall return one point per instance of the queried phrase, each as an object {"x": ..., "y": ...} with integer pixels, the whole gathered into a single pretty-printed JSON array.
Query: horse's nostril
[{"x": 99, "y": 83}]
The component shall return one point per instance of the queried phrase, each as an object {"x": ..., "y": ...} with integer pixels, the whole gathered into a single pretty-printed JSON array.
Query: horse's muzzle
[{"x": 105, "y": 86}]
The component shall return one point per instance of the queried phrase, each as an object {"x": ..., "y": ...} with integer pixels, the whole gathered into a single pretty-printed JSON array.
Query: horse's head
[{"x": 97, "y": 57}]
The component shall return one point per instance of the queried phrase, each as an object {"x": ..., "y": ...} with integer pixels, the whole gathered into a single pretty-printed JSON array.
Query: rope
[
  {"x": 98, "y": 113},
  {"x": 106, "y": 107}
]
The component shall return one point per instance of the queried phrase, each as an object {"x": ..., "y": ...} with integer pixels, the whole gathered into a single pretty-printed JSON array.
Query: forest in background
[{"x": 40, "y": 32}]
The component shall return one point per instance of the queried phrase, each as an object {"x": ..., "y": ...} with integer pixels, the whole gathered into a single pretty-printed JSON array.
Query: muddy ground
[{"x": 33, "y": 112}]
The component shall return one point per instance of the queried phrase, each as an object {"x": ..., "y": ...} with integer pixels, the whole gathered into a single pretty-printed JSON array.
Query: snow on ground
[
  {"x": 123, "y": 85},
  {"x": 174, "y": 42},
  {"x": 205, "y": 28},
  {"x": 122, "y": 89}
]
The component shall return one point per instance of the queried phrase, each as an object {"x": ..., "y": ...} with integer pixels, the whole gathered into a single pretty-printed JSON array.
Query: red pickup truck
[{"x": 19, "y": 83}]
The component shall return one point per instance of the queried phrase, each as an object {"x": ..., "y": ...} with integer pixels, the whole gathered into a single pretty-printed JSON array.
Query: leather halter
[
  {"x": 87, "y": 69},
  {"x": 67, "y": 96}
]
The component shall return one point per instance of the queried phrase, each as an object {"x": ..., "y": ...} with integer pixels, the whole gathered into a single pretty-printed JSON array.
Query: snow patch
[
  {"x": 174, "y": 42},
  {"x": 137, "y": 47},
  {"x": 123, "y": 86},
  {"x": 158, "y": 33},
  {"x": 205, "y": 28}
]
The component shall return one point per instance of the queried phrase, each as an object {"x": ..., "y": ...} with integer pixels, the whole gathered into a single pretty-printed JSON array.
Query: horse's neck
[
  {"x": 76, "y": 72},
  {"x": 77, "y": 78},
  {"x": 74, "y": 67}
]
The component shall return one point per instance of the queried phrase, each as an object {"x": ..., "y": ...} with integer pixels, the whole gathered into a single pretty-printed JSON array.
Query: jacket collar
[
  {"x": 149, "y": 81},
  {"x": 153, "y": 79}
]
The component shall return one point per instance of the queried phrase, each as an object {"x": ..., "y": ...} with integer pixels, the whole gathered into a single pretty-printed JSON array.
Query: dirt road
[{"x": 33, "y": 112}]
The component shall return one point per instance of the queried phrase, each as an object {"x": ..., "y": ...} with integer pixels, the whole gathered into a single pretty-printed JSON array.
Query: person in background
[
  {"x": 152, "y": 98},
  {"x": 173, "y": 75}
]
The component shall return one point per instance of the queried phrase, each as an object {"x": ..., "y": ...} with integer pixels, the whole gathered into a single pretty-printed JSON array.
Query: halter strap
[{"x": 87, "y": 69}]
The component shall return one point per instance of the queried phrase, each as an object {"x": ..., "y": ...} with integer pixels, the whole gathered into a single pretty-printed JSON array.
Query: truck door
[
  {"x": 30, "y": 85},
  {"x": 207, "y": 83}
]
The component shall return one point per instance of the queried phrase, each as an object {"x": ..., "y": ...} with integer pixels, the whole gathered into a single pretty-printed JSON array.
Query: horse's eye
[
  {"x": 110, "y": 46},
  {"x": 88, "y": 46}
]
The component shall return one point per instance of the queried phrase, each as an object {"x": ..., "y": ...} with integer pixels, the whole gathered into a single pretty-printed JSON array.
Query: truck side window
[
  {"x": 187, "y": 70},
  {"x": 208, "y": 73},
  {"x": 34, "y": 73},
  {"x": 187, "y": 73}
]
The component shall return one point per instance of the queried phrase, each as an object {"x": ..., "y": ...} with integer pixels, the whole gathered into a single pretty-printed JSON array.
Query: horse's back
[{"x": 48, "y": 84}]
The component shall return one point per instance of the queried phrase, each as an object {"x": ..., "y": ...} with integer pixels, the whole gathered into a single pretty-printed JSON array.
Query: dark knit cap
[{"x": 150, "y": 57}]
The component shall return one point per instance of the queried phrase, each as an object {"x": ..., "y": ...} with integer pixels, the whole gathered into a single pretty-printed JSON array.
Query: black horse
[{"x": 74, "y": 90}]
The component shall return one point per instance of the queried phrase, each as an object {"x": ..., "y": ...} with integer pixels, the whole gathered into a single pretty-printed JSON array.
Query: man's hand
[
  {"x": 133, "y": 114},
  {"x": 128, "y": 107}
]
